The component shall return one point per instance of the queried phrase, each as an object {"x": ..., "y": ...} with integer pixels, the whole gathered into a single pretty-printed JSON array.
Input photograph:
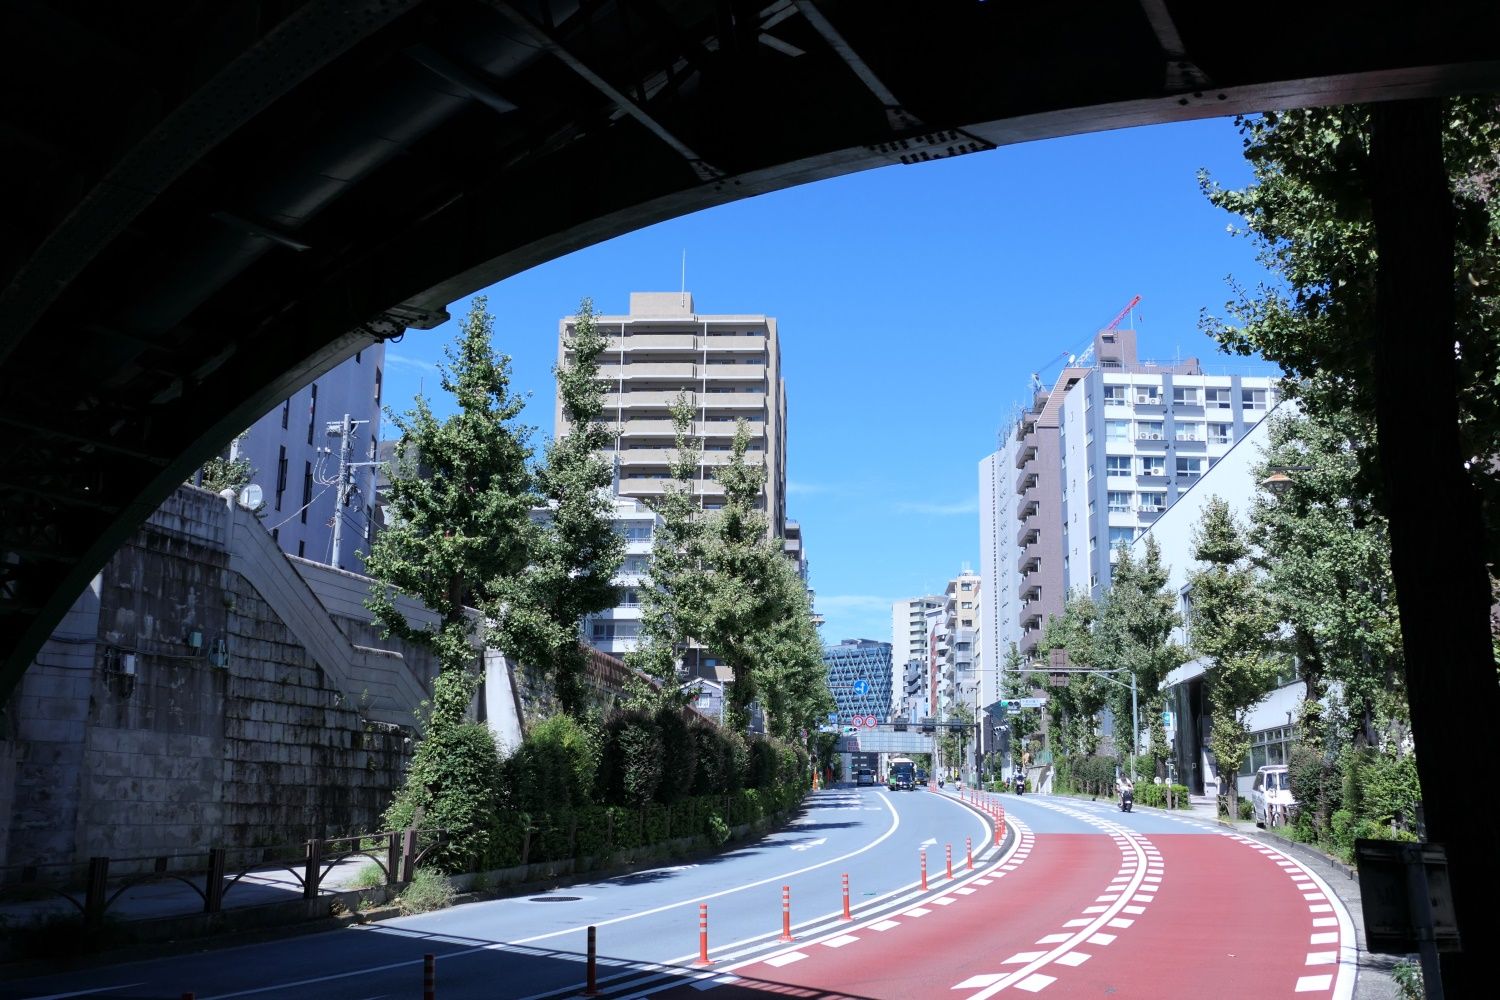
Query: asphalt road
[{"x": 1081, "y": 901}]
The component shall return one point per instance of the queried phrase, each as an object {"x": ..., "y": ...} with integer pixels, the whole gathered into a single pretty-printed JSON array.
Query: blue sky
[{"x": 913, "y": 303}]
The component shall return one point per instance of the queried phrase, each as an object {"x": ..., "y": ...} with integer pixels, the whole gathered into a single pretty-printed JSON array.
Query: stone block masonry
[{"x": 175, "y": 710}]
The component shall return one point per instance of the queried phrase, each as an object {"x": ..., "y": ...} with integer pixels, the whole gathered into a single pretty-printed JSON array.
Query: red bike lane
[
  {"x": 976, "y": 930},
  {"x": 1187, "y": 915}
]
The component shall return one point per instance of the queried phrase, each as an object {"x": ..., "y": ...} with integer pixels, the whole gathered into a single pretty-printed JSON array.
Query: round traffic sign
[
  {"x": 870, "y": 721},
  {"x": 857, "y": 721}
]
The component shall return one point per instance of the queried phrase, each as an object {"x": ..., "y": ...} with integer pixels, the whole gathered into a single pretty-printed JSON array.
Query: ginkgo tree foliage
[
  {"x": 1232, "y": 624},
  {"x": 573, "y": 547},
  {"x": 1137, "y": 621},
  {"x": 461, "y": 495}
]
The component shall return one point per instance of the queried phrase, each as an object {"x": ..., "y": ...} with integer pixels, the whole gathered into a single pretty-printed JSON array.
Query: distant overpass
[{"x": 208, "y": 205}]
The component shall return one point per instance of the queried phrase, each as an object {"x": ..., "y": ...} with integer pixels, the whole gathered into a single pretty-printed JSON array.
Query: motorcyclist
[
  {"x": 1127, "y": 793},
  {"x": 1019, "y": 780}
]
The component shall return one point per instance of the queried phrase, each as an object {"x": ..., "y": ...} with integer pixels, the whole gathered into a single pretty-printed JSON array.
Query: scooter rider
[
  {"x": 1127, "y": 794},
  {"x": 1019, "y": 780}
]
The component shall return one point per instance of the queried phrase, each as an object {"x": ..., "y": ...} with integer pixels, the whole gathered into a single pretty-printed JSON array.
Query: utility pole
[{"x": 344, "y": 430}]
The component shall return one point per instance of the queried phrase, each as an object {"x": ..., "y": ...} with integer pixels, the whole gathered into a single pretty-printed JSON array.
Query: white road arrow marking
[{"x": 810, "y": 843}]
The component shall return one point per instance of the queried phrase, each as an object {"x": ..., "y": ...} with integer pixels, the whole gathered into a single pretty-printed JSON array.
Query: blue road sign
[{"x": 861, "y": 688}]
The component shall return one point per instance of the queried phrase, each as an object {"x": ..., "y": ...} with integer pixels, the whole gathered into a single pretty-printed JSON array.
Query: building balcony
[
  {"x": 1191, "y": 444},
  {"x": 1026, "y": 427},
  {"x": 1027, "y": 509},
  {"x": 1149, "y": 514},
  {"x": 665, "y": 370},
  {"x": 1026, "y": 481},
  {"x": 1027, "y": 536},
  {"x": 1151, "y": 478},
  {"x": 1029, "y": 562},
  {"x": 1147, "y": 401},
  {"x": 1031, "y": 592},
  {"x": 1150, "y": 441},
  {"x": 640, "y": 486},
  {"x": 638, "y": 457},
  {"x": 652, "y": 342},
  {"x": 1031, "y": 620}
]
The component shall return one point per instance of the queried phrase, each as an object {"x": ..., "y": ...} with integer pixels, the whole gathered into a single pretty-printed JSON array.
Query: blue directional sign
[{"x": 861, "y": 688}]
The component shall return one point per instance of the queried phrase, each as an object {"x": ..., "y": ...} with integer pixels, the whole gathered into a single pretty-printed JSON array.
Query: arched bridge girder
[{"x": 214, "y": 207}]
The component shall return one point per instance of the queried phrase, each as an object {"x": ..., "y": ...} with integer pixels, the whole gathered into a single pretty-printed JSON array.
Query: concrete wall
[{"x": 177, "y": 708}]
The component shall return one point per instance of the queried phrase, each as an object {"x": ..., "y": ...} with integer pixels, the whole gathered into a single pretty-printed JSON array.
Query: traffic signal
[
  {"x": 1012, "y": 705},
  {"x": 928, "y": 726},
  {"x": 899, "y": 724}
]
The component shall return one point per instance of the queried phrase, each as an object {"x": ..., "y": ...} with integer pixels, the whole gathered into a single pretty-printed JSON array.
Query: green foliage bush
[
  {"x": 654, "y": 822},
  {"x": 736, "y": 760},
  {"x": 680, "y": 750},
  {"x": 1148, "y": 793},
  {"x": 591, "y": 840},
  {"x": 717, "y": 829},
  {"x": 631, "y": 763},
  {"x": 555, "y": 766},
  {"x": 626, "y": 827},
  {"x": 1088, "y": 774},
  {"x": 454, "y": 780},
  {"x": 711, "y": 759},
  {"x": 763, "y": 764}
]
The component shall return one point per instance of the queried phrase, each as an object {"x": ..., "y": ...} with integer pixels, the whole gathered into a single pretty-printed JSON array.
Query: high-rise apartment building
[
  {"x": 1132, "y": 443},
  {"x": 727, "y": 367},
  {"x": 617, "y": 630},
  {"x": 909, "y": 644},
  {"x": 960, "y": 669},
  {"x": 1073, "y": 454},
  {"x": 295, "y": 454}
]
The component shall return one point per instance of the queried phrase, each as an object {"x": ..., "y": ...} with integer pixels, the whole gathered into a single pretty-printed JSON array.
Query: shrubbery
[
  {"x": 578, "y": 790},
  {"x": 1354, "y": 793}
]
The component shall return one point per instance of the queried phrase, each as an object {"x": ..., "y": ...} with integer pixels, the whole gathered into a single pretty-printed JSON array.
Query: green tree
[
  {"x": 1309, "y": 210},
  {"x": 1324, "y": 552},
  {"x": 672, "y": 600},
  {"x": 574, "y": 550},
  {"x": 1231, "y": 624},
  {"x": 1075, "y": 707},
  {"x": 747, "y": 590},
  {"x": 462, "y": 497},
  {"x": 954, "y": 741},
  {"x": 1136, "y": 624}
]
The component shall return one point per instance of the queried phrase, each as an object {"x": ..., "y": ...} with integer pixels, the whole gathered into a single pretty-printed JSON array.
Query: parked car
[
  {"x": 864, "y": 776},
  {"x": 1271, "y": 796}
]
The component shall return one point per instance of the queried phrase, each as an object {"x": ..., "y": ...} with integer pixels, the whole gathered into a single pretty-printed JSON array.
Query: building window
[
  {"x": 1269, "y": 746},
  {"x": 1153, "y": 502},
  {"x": 1093, "y": 544},
  {"x": 638, "y": 532},
  {"x": 1189, "y": 468},
  {"x": 1221, "y": 433},
  {"x": 280, "y": 475},
  {"x": 1119, "y": 502},
  {"x": 606, "y": 629},
  {"x": 301, "y": 549},
  {"x": 1154, "y": 465},
  {"x": 312, "y": 413},
  {"x": 1117, "y": 430},
  {"x": 966, "y": 605},
  {"x": 1185, "y": 395},
  {"x": 1217, "y": 399},
  {"x": 1120, "y": 536},
  {"x": 377, "y": 387},
  {"x": 286, "y": 412},
  {"x": 1149, "y": 430},
  {"x": 966, "y": 585},
  {"x": 1189, "y": 432},
  {"x": 306, "y": 491},
  {"x": 1114, "y": 395},
  {"x": 1117, "y": 465},
  {"x": 1147, "y": 395},
  {"x": 630, "y": 598},
  {"x": 1253, "y": 399}
]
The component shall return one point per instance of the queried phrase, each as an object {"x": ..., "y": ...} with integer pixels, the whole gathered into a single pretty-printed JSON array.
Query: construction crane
[
  {"x": 1123, "y": 313},
  {"x": 1070, "y": 357}
]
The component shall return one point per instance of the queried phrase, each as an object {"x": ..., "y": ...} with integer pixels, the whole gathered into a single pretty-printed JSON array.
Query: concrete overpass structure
[{"x": 207, "y": 205}]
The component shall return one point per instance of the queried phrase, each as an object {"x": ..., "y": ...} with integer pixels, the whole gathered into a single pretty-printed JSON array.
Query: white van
[{"x": 1271, "y": 796}]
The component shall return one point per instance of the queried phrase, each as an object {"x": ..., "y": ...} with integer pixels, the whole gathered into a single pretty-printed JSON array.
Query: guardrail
[{"x": 92, "y": 889}]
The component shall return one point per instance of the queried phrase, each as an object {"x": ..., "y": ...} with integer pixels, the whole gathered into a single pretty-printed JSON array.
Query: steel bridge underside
[{"x": 209, "y": 205}]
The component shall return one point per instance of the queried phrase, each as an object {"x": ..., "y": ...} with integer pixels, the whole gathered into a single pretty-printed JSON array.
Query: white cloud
[
  {"x": 969, "y": 506},
  {"x": 406, "y": 361}
]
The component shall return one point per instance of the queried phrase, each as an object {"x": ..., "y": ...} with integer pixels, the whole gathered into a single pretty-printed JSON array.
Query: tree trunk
[{"x": 1437, "y": 561}]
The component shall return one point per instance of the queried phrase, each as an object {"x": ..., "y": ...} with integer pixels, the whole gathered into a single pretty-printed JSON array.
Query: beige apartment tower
[{"x": 729, "y": 368}]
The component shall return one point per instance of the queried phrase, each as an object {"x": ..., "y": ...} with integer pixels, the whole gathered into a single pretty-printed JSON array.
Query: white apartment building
[
  {"x": 960, "y": 671},
  {"x": 727, "y": 366},
  {"x": 1132, "y": 443},
  {"x": 1000, "y": 603},
  {"x": 909, "y": 644},
  {"x": 617, "y": 631}
]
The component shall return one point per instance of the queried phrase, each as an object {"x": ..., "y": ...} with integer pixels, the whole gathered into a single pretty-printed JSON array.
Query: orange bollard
[
  {"x": 923, "y": 852},
  {"x": 429, "y": 977},
  {"x": 703, "y": 934},
  {"x": 948, "y": 853},
  {"x": 969, "y": 852},
  {"x": 786, "y": 913},
  {"x": 592, "y": 987},
  {"x": 846, "y": 898}
]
